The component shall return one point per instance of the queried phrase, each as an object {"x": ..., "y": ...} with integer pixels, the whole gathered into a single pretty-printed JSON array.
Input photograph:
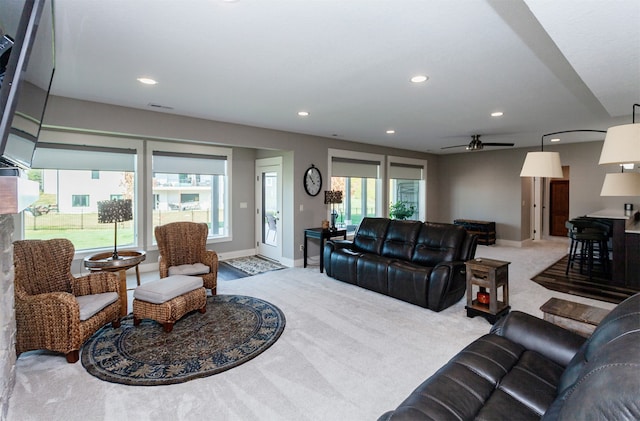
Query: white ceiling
[{"x": 549, "y": 65}]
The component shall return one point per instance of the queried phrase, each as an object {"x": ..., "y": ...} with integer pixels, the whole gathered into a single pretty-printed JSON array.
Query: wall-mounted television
[{"x": 27, "y": 62}]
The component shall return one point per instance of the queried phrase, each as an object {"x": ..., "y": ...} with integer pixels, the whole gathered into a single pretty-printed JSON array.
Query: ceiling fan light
[{"x": 542, "y": 164}]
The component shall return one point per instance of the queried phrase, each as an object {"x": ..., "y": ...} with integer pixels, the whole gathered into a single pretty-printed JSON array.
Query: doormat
[
  {"x": 253, "y": 265},
  {"x": 599, "y": 288},
  {"x": 234, "y": 330}
]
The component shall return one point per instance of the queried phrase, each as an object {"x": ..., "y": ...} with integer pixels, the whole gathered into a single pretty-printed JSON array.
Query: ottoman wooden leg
[
  {"x": 136, "y": 321},
  {"x": 203, "y": 310},
  {"x": 168, "y": 327},
  {"x": 115, "y": 324}
]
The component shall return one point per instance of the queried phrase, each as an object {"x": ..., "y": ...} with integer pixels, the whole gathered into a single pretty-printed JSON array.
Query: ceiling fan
[{"x": 476, "y": 144}]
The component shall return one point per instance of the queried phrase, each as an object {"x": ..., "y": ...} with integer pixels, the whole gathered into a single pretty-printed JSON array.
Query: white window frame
[
  {"x": 362, "y": 156},
  {"x": 90, "y": 139},
  {"x": 422, "y": 197},
  {"x": 197, "y": 149}
]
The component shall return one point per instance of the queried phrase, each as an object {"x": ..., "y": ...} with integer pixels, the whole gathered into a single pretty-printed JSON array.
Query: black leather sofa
[
  {"x": 421, "y": 263},
  {"x": 530, "y": 369}
]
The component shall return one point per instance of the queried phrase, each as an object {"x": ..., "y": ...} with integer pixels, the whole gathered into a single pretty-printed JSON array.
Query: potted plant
[{"x": 401, "y": 210}]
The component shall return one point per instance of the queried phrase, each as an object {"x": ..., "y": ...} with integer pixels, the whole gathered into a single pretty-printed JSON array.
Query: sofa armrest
[
  {"x": 340, "y": 244},
  {"x": 329, "y": 247},
  {"x": 535, "y": 334},
  {"x": 447, "y": 284}
]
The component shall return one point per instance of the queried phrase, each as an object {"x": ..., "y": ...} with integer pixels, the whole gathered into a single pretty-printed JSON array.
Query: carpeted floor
[
  {"x": 346, "y": 354},
  {"x": 598, "y": 287},
  {"x": 234, "y": 330}
]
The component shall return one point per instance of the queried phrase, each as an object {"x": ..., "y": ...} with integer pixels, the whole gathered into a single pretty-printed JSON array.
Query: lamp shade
[
  {"x": 621, "y": 184},
  {"x": 542, "y": 164},
  {"x": 332, "y": 196},
  {"x": 114, "y": 211},
  {"x": 621, "y": 145}
]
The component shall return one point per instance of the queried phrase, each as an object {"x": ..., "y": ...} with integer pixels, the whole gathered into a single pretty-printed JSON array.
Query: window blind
[
  {"x": 348, "y": 167},
  {"x": 188, "y": 163},
  {"x": 400, "y": 171},
  {"x": 83, "y": 157}
]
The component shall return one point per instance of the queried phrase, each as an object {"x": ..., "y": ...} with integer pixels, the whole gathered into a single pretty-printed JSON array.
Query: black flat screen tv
[{"x": 27, "y": 62}]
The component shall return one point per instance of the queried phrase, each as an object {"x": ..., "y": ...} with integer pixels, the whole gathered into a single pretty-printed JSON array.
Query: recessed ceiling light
[
  {"x": 555, "y": 139},
  {"x": 497, "y": 114},
  {"x": 391, "y": 131},
  {"x": 419, "y": 78},
  {"x": 303, "y": 113},
  {"x": 147, "y": 81}
]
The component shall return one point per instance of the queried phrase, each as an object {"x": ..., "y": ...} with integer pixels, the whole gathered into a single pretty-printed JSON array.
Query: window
[
  {"x": 199, "y": 195},
  {"x": 358, "y": 176},
  {"x": 407, "y": 185},
  {"x": 79, "y": 200},
  {"x": 70, "y": 192}
]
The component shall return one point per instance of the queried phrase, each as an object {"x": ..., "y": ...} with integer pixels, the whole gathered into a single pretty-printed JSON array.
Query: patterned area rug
[
  {"x": 598, "y": 287},
  {"x": 234, "y": 330},
  {"x": 253, "y": 265}
]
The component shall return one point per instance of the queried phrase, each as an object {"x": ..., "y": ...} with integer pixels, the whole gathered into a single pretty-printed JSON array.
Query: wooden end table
[
  {"x": 105, "y": 262},
  {"x": 487, "y": 275},
  {"x": 322, "y": 235},
  {"x": 576, "y": 317}
]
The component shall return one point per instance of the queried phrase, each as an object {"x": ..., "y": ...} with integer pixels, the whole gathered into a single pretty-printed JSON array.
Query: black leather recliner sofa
[
  {"x": 421, "y": 263},
  {"x": 530, "y": 369}
]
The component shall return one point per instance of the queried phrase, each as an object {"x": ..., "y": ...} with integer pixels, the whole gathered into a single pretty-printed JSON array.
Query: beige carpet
[{"x": 346, "y": 354}]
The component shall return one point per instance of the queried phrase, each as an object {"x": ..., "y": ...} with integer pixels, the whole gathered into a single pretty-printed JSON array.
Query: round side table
[{"x": 105, "y": 262}]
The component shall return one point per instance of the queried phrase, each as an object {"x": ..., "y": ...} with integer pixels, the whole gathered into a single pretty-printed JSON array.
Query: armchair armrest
[
  {"x": 61, "y": 306},
  {"x": 210, "y": 258},
  {"x": 554, "y": 342},
  {"x": 95, "y": 283}
]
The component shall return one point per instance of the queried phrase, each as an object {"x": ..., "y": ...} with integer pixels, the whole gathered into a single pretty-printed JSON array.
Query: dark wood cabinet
[{"x": 632, "y": 250}]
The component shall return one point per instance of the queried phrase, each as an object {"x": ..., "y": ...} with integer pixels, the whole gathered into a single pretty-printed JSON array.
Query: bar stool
[{"x": 590, "y": 236}]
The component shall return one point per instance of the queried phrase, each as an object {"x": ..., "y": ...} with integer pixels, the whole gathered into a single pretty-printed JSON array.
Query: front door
[{"x": 269, "y": 208}]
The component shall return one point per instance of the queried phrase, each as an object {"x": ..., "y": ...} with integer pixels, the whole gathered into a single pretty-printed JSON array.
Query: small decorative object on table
[
  {"x": 115, "y": 211},
  {"x": 333, "y": 197}
]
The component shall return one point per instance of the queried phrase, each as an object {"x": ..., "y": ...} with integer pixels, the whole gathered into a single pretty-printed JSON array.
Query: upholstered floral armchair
[
  {"x": 55, "y": 310},
  {"x": 183, "y": 251}
]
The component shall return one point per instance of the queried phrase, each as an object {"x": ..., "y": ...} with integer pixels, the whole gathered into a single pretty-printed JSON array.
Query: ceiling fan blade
[
  {"x": 456, "y": 146},
  {"x": 497, "y": 144}
]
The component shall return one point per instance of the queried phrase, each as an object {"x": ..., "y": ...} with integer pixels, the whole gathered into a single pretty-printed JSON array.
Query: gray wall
[
  {"x": 486, "y": 185},
  {"x": 298, "y": 152}
]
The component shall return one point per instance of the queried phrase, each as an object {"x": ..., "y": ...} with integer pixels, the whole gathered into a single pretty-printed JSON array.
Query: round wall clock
[{"x": 312, "y": 181}]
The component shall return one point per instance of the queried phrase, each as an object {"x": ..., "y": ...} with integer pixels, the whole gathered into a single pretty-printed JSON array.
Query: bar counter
[{"x": 625, "y": 263}]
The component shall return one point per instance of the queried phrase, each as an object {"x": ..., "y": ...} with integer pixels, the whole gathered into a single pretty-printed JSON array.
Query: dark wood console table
[
  {"x": 485, "y": 230},
  {"x": 322, "y": 235}
]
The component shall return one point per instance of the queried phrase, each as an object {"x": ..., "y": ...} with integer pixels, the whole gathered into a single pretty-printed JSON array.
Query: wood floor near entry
[{"x": 574, "y": 283}]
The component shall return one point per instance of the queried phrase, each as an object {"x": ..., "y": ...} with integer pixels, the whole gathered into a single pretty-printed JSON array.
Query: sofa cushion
[
  {"x": 372, "y": 272},
  {"x": 401, "y": 239},
  {"x": 409, "y": 282},
  {"x": 438, "y": 243},
  {"x": 164, "y": 289},
  {"x": 93, "y": 303},
  {"x": 370, "y": 235}
]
